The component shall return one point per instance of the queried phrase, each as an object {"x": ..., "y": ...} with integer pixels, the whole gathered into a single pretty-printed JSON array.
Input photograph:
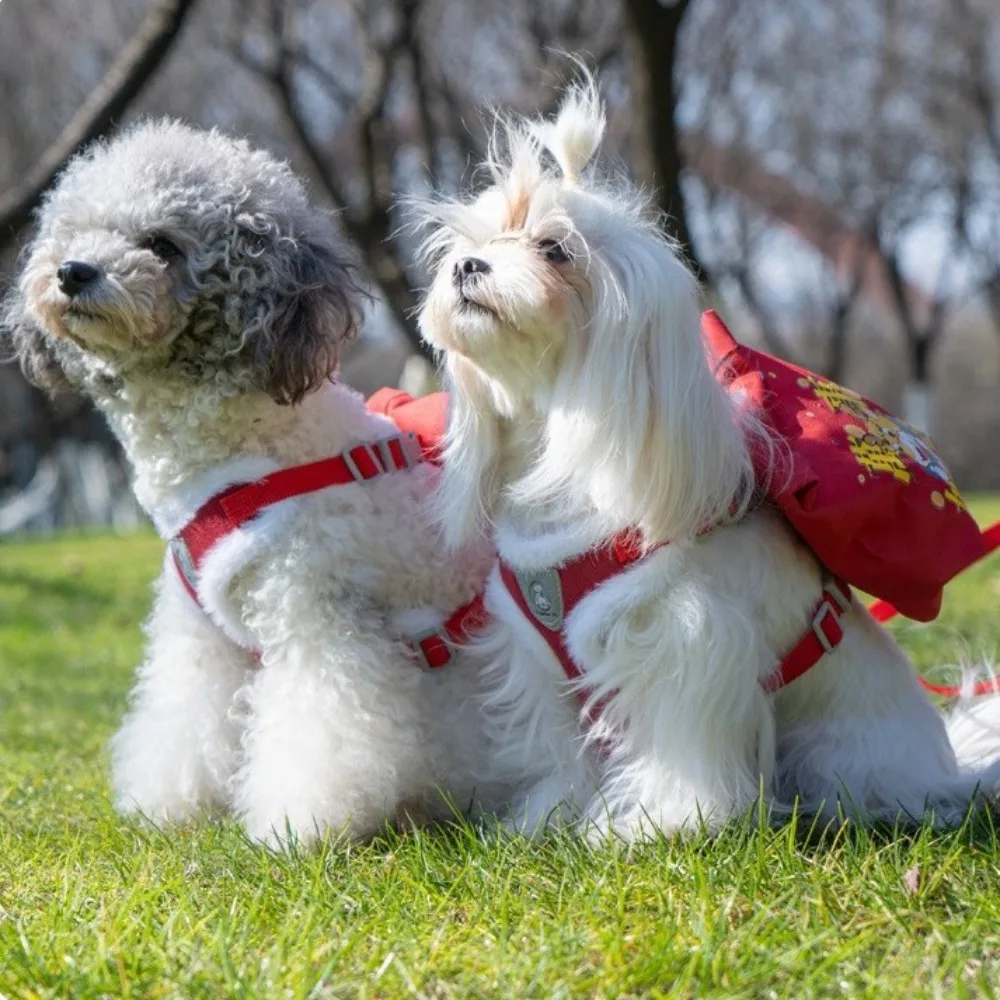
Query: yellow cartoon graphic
[{"x": 880, "y": 443}]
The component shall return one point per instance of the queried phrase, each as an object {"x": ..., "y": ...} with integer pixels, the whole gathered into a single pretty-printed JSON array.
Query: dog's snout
[
  {"x": 74, "y": 276},
  {"x": 468, "y": 266}
]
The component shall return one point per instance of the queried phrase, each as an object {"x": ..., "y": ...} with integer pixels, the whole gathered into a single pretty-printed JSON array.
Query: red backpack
[{"x": 865, "y": 491}]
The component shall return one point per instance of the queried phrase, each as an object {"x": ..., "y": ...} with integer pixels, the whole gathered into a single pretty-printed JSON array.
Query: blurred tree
[
  {"x": 30, "y": 426},
  {"x": 657, "y": 25},
  {"x": 100, "y": 111},
  {"x": 832, "y": 166},
  {"x": 864, "y": 128}
]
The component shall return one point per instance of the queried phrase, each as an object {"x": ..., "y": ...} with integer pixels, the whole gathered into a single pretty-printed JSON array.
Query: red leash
[{"x": 883, "y": 611}]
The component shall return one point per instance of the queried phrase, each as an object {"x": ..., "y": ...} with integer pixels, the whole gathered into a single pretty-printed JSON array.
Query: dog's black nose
[
  {"x": 74, "y": 276},
  {"x": 468, "y": 266}
]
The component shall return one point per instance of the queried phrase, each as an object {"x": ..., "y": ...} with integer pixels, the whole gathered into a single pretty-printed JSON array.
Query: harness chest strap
[
  {"x": 227, "y": 511},
  {"x": 547, "y": 597},
  {"x": 433, "y": 648}
]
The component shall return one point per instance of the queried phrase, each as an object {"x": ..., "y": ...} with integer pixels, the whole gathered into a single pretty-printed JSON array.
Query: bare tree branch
[
  {"x": 301, "y": 55},
  {"x": 844, "y": 302},
  {"x": 773, "y": 340},
  {"x": 100, "y": 112},
  {"x": 368, "y": 227},
  {"x": 922, "y": 334}
]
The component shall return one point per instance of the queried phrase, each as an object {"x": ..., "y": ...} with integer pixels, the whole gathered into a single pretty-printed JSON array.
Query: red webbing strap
[
  {"x": 577, "y": 579},
  {"x": 358, "y": 464},
  {"x": 434, "y": 649},
  {"x": 580, "y": 576},
  {"x": 227, "y": 511},
  {"x": 883, "y": 611},
  {"x": 233, "y": 507},
  {"x": 823, "y": 636}
]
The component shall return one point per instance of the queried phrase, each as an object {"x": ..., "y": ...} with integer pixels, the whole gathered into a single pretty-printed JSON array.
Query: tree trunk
[
  {"x": 100, "y": 112},
  {"x": 917, "y": 411},
  {"x": 657, "y": 28},
  {"x": 917, "y": 392}
]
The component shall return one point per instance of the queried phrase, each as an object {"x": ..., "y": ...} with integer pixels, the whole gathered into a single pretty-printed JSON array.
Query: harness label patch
[{"x": 542, "y": 593}]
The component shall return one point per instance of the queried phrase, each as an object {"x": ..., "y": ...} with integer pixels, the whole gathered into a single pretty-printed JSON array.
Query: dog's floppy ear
[
  {"x": 22, "y": 339},
  {"x": 312, "y": 311}
]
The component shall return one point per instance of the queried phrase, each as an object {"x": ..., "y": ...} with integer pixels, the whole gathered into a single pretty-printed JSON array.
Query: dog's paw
[
  {"x": 164, "y": 789},
  {"x": 146, "y": 789},
  {"x": 159, "y": 809},
  {"x": 280, "y": 834},
  {"x": 549, "y": 803},
  {"x": 281, "y": 831},
  {"x": 638, "y": 823}
]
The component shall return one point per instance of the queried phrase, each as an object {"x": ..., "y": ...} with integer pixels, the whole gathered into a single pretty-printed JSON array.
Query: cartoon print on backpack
[{"x": 883, "y": 443}]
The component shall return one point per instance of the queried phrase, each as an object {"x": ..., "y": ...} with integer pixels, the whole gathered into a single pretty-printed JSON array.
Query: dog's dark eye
[
  {"x": 163, "y": 248},
  {"x": 553, "y": 251}
]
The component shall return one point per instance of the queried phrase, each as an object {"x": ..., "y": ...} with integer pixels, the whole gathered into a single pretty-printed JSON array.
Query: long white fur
[{"x": 582, "y": 405}]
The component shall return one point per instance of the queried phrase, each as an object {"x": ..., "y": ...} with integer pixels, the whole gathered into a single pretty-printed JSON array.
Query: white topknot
[{"x": 577, "y": 131}]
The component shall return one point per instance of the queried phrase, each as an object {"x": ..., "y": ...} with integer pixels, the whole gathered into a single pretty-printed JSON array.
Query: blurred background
[{"x": 832, "y": 168}]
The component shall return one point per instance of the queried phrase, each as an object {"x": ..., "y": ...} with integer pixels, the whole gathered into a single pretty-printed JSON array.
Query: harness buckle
[
  {"x": 432, "y": 642},
  {"x": 824, "y": 611},
  {"x": 843, "y": 598},
  {"x": 352, "y": 466},
  {"x": 411, "y": 450},
  {"x": 385, "y": 454},
  {"x": 184, "y": 562}
]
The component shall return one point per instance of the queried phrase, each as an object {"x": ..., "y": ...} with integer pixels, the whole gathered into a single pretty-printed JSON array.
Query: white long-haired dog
[
  {"x": 182, "y": 280},
  {"x": 582, "y": 407}
]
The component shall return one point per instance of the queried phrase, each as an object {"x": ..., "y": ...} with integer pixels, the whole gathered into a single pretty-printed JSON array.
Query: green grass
[{"x": 91, "y": 906}]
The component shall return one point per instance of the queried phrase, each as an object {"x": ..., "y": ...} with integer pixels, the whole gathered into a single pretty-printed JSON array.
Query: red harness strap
[
  {"x": 547, "y": 598},
  {"x": 434, "y": 648},
  {"x": 227, "y": 511},
  {"x": 824, "y": 636}
]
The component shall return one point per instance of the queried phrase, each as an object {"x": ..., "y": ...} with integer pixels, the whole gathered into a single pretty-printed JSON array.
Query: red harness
[
  {"x": 227, "y": 511},
  {"x": 560, "y": 590}
]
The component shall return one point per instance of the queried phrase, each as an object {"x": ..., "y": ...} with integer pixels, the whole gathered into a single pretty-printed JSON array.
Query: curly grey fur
[
  {"x": 38, "y": 355},
  {"x": 260, "y": 299}
]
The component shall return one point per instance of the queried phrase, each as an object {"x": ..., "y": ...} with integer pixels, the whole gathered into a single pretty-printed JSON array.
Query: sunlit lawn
[{"x": 91, "y": 906}]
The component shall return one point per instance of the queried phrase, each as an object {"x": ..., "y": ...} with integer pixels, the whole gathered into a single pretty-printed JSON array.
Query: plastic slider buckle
[
  {"x": 825, "y": 610},
  {"x": 420, "y": 653},
  {"x": 386, "y": 455},
  {"x": 352, "y": 466},
  {"x": 843, "y": 598},
  {"x": 409, "y": 451}
]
